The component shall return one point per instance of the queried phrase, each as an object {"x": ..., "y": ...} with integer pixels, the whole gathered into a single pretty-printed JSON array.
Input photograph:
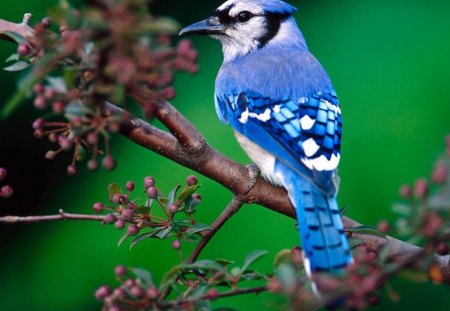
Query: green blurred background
[{"x": 389, "y": 61}]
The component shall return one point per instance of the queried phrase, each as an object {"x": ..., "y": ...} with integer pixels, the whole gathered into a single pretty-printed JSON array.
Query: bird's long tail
[{"x": 321, "y": 231}]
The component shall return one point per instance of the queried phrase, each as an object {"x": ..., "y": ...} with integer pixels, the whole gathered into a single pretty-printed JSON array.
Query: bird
[{"x": 285, "y": 114}]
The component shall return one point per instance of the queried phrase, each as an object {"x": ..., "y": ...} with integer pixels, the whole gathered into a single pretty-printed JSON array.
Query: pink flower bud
[{"x": 421, "y": 188}]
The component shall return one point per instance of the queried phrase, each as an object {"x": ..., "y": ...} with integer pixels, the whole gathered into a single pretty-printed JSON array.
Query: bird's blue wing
[{"x": 305, "y": 134}]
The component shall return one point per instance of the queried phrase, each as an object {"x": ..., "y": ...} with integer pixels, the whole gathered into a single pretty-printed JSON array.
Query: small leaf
[
  {"x": 205, "y": 264},
  {"x": 224, "y": 262},
  {"x": 283, "y": 256},
  {"x": 402, "y": 209},
  {"x": 142, "y": 210},
  {"x": 144, "y": 276},
  {"x": 114, "y": 188},
  {"x": 367, "y": 230},
  {"x": 20, "y": 65},
  {"x": 187, "y": 192},
  {"x": 198, "y": 292},
  {"x": 286, "y": 275},
  {"x": 70, "y": 74},
  {"x": 12, "y": 57},
  {"x": 171, "y": 196},
  {"x": 252, "y": 257},
  {"x": 252, "y": 275},
  {"x": 235, "y": 271},
  {"x": 141, "y": 237},
  {"x": 15, "y": 37},
  {"x": 190, "y": 205},
  {"x": 57, "y": 83},
  {"x": 197, "y": 228},
  {"x": 162, "y": 234},
  {"x": 122, "y": 239},
  {"x": 76, "y": 109}
]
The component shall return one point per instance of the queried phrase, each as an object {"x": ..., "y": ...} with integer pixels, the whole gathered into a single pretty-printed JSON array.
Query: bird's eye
[{"x": 244, "y": 16}]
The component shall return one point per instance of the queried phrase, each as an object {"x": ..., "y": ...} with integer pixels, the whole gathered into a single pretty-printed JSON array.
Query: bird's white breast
[{"x": 263, "y": 159}]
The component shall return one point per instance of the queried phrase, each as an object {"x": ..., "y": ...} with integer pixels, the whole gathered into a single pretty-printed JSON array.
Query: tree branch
[
  {"x": 227, "y": 213},
  {"x": 61, "y": 216}
]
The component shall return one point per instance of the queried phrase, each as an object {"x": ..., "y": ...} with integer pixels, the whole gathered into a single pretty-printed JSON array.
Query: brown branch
[
  {"x": 61, "y": 216},
  {"x": 22, "y": 29},
  {"x": 227, "y": 213},
  {"x": 235, "y": 292}
]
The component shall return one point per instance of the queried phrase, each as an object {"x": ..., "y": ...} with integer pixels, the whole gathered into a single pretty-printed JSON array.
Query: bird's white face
[{"x": 245, "y": 25}]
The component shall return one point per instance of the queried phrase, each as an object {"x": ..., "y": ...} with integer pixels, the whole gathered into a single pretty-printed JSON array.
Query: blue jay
[{"x": 285, "y": 114}]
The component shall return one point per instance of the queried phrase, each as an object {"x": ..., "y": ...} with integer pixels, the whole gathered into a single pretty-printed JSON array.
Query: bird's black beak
[{"x": 208, "y": 26}]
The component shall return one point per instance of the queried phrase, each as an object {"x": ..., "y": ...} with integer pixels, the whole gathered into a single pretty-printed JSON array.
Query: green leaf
[
  {"x": 15, "y": 37},
  {"x": 13, "y": 57},
  {"x": 235, "y": 271},
  {"x": 141, "y": 237},
  {"x": 76, "y": 109},
  {"x": 114, "y": 188},
  {"x": 286, "y": 275},
  {"x": 162, "y": 234},
  {"x": 70, "y": 75},
  {"x": 122, "y": 239},
  {"x": 252, "y": 275},
  {"x": 171, "y": 196},
  {"x": 144, "y": 276},
  {"x": 252, "y": 257},
  {"x": 283, "y": 256},
  {"x": 190, "y": 205},
  {"x": 224, "y": 262},
  {"x": 197, "y": 228},
  {"x": 198, "y": 292},
  {"x": 203, "y": 264},
  {"x": 142, "y": 210},
  {"x": 367, "y": 230},
  {"x": 187, "y": 192},
  {"x": 57, "y": 83},
  {"x": 20, "y": 65}
]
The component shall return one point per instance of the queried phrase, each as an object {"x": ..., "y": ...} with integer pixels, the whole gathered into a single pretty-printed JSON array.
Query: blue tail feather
[{"x": 320, "y": 225}]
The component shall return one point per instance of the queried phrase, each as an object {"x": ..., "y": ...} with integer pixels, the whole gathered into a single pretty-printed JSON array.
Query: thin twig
[
  {"x": 227, "y": 213},
  {"x": 61, "y": 216},
  {"x": 236, "y": 292}
]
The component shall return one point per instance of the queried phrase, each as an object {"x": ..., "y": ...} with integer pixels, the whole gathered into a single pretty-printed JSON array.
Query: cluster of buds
[
  {"x": 6, "y": 191},
  {"x": 107, "y": 53},
  {"x": 365, "y": 276},
  {"x": 81, "y": 134},
  {"x": 135, "y": 292},
  {"x": 427, "y": 204},
  {"x": 126, "y": 212},
  {"x": 123, "y": 210}
]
